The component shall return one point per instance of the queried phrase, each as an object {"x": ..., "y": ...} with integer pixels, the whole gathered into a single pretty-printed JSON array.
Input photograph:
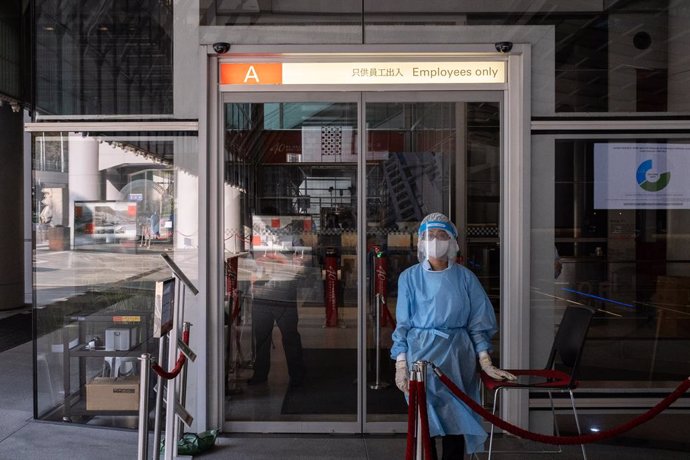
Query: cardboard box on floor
[{"x": 110, "y": 393}]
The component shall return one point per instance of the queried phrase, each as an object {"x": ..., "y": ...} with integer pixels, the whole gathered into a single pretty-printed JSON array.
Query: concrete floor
[{"x": 21, "y": 437}]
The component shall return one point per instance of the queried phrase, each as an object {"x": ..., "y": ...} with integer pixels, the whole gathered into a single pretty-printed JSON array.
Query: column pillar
[
  {"x": 232, "y": 219},
  {"x": 186, "y": 221},
  {"x": 84, "y": 179},
  {"x": 11, "y": 231}
]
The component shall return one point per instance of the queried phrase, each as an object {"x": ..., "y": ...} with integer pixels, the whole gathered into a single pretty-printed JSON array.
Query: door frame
[{"x": 514, "y": 215}]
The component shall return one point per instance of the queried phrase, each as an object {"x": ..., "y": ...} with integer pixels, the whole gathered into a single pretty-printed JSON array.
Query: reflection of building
[
  {"x": 130, "y": 174},
  {"x": 408, "y": 175}
]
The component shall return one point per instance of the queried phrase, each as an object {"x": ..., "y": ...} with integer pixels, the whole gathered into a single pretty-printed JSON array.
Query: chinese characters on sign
[{"x": 374, "y": 72}]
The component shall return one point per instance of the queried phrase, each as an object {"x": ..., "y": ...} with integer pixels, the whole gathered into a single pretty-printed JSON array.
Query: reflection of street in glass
[{"x": 65, "y": 274}]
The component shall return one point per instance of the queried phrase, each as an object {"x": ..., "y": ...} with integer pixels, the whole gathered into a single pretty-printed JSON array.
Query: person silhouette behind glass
[
  {"x": 275, "y": 301},
  {"x": 155, "y": 225}
]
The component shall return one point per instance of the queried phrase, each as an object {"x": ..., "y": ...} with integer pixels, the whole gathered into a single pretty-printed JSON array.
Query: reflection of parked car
[
  {"x": 103, "y": 229},
  {"x": 109, "y": 228}
]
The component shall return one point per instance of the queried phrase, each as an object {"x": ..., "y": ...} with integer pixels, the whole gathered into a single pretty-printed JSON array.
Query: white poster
[{"x": 641, "y": 176}]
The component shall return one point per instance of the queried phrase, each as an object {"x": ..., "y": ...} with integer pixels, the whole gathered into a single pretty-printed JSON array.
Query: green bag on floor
[{"x": 192, "y": 443}]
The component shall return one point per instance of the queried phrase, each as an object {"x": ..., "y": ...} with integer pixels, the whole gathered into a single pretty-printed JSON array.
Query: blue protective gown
[{"x": 445, "y": 317}]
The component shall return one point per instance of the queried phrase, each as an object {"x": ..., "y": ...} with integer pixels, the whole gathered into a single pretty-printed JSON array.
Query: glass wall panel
[
  {"x": 294, "y": 13},
  {"x": 620, "y": 214},
  {"x": 290, "y": 238},
  {"x": 623, "y": 56},
  {"x": 11, "y": 53},
  {"x": 113, "y": 58},
  {"x": 106, "y": 206},
  {"x": 621, "y": 226},
  {"x": 609, "y": 57}
]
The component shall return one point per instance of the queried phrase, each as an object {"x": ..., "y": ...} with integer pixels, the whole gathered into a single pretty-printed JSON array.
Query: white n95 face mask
[{"x": 438, "y": 249}]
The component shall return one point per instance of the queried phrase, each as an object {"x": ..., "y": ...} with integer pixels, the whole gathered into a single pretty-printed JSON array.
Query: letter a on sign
[
  {"x": 263, "y": 73},
  {"x": 251, "y": 73}
]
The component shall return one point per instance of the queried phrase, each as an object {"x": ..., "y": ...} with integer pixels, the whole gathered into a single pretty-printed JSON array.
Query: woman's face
[{"x": 436, "y": 243}]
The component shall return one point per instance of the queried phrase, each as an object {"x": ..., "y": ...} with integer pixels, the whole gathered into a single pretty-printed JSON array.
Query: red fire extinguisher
[{"x": 330, "y": 286}]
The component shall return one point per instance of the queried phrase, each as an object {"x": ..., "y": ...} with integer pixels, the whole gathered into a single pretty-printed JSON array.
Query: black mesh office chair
[{"x": 560, "y": 372}]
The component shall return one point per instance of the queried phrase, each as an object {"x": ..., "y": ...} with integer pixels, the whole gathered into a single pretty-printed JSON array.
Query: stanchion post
[
  {"x": 377, "y": 323},
  {"x": 144, "y": 368},
  {"x": 378, "y": 385},
  {"x": 172, "y": 390},
  {"x": 159, "y": 402},
  {"x": 173, "y": 387},
  {"x": 419, "y": 371},
  {"x": 418, "y": 450},
  {"x": 183, "y": 379}
]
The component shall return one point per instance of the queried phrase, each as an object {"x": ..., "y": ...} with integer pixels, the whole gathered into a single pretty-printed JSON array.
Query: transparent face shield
[{"x": 438, "y": 244}]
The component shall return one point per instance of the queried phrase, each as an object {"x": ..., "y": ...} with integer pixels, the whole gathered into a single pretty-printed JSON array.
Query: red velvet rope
[
  {"x": 411, "y": 418},
  {"x": 565, "y": 440},
  {"x": 387, "y": 312},
  {"x": 178, "y": 364}
]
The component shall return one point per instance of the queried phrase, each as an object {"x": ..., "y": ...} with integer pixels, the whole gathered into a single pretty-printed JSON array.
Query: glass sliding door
[
  {"x": 317, "y": 233},
  {"x": 290, "y": 204},
  {"x": 426, "y": 152}
]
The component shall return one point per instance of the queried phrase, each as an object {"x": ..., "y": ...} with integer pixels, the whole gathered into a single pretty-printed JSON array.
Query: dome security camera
[
  {"x": 504, "y": 47},
  {"x": 221, "y": 47}
]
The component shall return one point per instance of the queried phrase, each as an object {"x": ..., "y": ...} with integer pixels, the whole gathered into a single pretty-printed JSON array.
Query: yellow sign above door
[{"x": 362, "y": 73}]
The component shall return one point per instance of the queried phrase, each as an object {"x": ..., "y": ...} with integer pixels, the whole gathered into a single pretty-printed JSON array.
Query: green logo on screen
[{"x": 650, "y": 180}]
